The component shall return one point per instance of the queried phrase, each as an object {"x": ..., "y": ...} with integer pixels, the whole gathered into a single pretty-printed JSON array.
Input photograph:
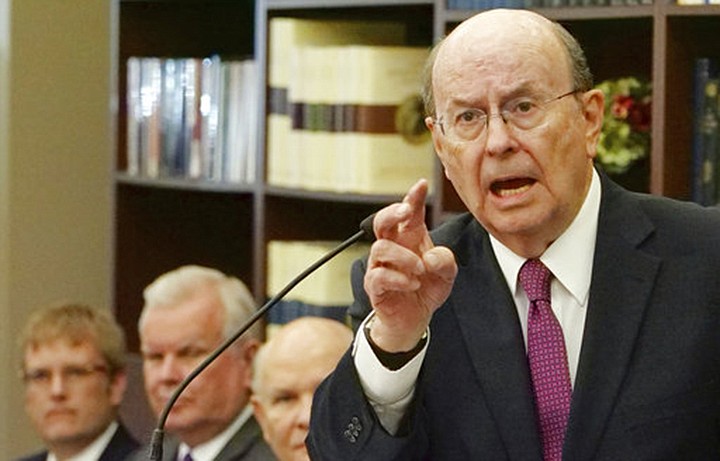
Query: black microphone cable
[{"x": 156, "y": 443}]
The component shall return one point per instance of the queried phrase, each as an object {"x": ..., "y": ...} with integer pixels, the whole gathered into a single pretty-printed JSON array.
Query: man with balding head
[
  {"x": 286, "y": 371},
  {"x": 562, "y": 317}
]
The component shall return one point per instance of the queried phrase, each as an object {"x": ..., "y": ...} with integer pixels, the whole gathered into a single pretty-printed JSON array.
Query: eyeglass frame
[
  {"x": 71, "y": 374},
  {"x": 439, "y": 120}
]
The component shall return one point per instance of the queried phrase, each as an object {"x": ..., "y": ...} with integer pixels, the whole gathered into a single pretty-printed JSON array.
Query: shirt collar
[
  {"x": 209, "y": 450},
  {"x": 93, "y": 451},
  {"x": 570, "y": 257}
]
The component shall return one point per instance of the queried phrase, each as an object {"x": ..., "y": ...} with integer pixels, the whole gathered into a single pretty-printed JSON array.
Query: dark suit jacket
[
  {"x": 648, "y": 380},
  {"x": 246, "y": 445},
  {"x": 120, "y": 446}
]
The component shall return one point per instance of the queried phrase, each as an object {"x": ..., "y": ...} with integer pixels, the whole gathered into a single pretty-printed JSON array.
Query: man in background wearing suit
[
  {"x": 188, "y": 313},
  {"x": 74, "y": 373},
  {"x": 286, "y": 372},
  {"x": 563, "y": 317}
]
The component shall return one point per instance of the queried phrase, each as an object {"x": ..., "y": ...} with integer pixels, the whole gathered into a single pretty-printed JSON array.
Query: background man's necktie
[
  {"x": 188, "y": 457},
  {"x": 548, "y": 359}
]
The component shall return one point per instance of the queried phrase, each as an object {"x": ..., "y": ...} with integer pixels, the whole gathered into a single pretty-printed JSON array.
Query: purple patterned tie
[{"x": 548, "y": 360}]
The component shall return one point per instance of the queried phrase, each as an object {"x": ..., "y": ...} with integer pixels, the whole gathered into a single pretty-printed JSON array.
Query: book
[
  {"x": 324, "y": 293},
  {"x": 709, "y": 156},
  {"x": 313, "y": 95},
  {"x": 348, "y": 105},
  {"x": 381, "y": 93},
  {"x": 150, "y": 140},
  {"x": 212, "y": 82},
  {"x": 286, "y": 37},
  {"x": 192, "y": 118},
  {"x": 242, "y": 120},
  {"x": 705, "y": 69},
  {"x": 328, "y": 286},
  {"x": 286, "y": 311},
  {"x": 134, "y": 116}
]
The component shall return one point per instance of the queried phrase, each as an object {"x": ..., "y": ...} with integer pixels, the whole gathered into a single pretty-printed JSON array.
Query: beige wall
[{"x": 55, "y": 192}]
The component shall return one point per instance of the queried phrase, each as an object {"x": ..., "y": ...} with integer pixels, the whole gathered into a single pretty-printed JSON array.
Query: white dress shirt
[
  {"x": 93, "y": 451},
  {"x": 209, "y": 450},
  {"x": 569, "y": 258}
]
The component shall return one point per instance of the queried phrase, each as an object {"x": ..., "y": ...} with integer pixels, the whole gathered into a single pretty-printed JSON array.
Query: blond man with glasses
[{"x": 74, "y": 373}]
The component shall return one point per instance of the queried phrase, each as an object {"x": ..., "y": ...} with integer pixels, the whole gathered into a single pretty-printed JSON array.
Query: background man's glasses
[
  {"x": 524, "y": 113},
  {"x": 72, "y": 375}
]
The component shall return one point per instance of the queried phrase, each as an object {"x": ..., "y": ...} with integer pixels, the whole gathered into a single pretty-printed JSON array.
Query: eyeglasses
[
  {"x": 524, "y": 113},
  {"x": 71, "y": 374}
]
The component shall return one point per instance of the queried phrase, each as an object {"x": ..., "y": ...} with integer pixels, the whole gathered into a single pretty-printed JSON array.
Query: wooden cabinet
[{"x": 161, "y": 224}]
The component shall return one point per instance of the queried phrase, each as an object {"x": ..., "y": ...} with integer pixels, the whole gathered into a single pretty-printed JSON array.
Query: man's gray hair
[{"x": 180, "y": 284}]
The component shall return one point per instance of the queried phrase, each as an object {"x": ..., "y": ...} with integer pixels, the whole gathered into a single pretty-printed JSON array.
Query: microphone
[{"x": 156, "y": 443}]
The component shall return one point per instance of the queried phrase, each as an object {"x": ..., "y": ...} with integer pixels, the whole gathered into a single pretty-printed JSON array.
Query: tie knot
[{"x": 535, "y": 279}]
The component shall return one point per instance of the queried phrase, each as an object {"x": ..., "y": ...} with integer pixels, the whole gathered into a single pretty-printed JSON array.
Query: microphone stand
[{"x": 156, "y": 443}]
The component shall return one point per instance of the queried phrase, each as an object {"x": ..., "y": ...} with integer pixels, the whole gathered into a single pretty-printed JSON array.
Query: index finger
[{"x": 404, "y": 216}]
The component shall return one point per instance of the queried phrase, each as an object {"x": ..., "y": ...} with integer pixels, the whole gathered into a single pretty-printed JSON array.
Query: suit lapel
[
  {"x": 241, "y": 442},
  {"x": 170, "y": 449},
  {"x": 121, "y": 444},
  {"x": 493, "y": 336},
  {"x": 623, "y": 278}
]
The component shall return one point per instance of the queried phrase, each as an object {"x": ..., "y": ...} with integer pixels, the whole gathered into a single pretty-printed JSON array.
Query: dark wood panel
[
  {"x": 294, "y": 218},
  {"x": 688, "y": 37},
  {"x": 615, "y": 47},
  {"x": 159, "y": 229}
]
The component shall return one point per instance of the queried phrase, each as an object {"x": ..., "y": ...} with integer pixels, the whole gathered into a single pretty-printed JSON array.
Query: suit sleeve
[
  {"x": 360, "y": 308},
  {"x": 343, "y": 424}
]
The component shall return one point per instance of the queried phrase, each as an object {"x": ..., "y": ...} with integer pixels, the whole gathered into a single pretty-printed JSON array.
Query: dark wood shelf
[
  {"x": 184, "y": 184},
  {"x": 342, "y": 4},
  {"x": 323, "y": 196}
]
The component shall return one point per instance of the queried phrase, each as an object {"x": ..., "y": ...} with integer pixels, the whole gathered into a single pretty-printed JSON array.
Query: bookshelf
[{"x": 162, "y": 223}]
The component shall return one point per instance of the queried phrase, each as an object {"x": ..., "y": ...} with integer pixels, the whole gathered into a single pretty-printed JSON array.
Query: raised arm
[{"x": 408, "y": 277}]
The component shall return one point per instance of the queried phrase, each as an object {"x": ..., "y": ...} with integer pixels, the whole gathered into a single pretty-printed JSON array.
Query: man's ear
[
  {"x": 249, "y": 349},
  {"x": 593, "y": 112},
  {"x": 437, "y": 141},
  {"x": 260, "y": 416},
  {"x": 430, "y": 124},
  {"x": 118, "y": 385},
  {"x": 246, "y": 353}
]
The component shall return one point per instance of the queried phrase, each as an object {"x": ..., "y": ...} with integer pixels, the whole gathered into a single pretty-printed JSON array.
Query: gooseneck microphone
[{"x": 156, "y": 443}]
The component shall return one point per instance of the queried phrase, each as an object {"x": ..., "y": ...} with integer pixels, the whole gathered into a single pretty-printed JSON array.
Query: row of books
[
  {"x": 192, "y": 118},
  {"x": 344, "y": 111},
  {"x": 326, "y": 292},
  {"x": 705, "y": 181},
  {"x": 287, "y": 311}
]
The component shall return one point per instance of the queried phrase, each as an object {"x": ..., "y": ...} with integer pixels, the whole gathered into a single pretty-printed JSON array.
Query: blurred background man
[
  {"x": 74, "y": 373},
  {"x": 188, "y": 313},
  {"x": 287, "y": 370}
]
